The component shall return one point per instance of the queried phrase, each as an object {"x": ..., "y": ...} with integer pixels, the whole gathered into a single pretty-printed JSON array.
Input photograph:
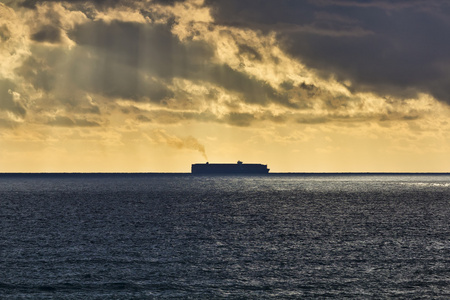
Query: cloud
[
  {"x": 81, "y": 104},
  {"x": 153, "y": 49},
  {"x": 62, "y": 121},
  {"x": 385, "y": 47},
  {"x": 37, "y": 72},
  {"x": 168, "y": 2},
  {"x": 240, "y": 119},
  {"x": 7, "y": 101},
  {"x": 8, "y": 124},
  {"x": 249, "y": 51},
  {"x": 230, "y": 70},
  {"x": 58, "y": 70},
  {"x": 143, "y": 119},
  {"x": 101, "y": 3},
  {"x": 47, "y": 33},
  {"x": 150, "y": 47},
  {"x": 163, "y": 116},
  {"x": 5, "y": 34},
  {"x": 384, "y": 5},
  {"x": 312, "y": 120}
]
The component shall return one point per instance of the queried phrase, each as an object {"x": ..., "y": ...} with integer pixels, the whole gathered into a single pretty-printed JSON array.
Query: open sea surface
[{"x": 178, "y": 236}]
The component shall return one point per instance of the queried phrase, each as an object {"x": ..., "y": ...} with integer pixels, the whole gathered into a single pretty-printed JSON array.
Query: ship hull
[{"x": 229, "y": 169}]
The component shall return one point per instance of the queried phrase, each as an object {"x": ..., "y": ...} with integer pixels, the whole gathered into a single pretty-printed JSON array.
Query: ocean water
[{"x": 147, "y": 236}]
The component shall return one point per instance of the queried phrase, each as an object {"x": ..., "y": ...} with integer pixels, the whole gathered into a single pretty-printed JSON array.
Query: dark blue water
[{"x": 180, "y": 236}]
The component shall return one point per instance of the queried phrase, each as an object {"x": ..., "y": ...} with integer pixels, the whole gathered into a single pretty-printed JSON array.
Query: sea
[{"x": 180, "y": 236}]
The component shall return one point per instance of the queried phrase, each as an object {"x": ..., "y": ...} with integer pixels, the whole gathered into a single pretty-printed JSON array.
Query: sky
[{"x": 154, "y": 86}]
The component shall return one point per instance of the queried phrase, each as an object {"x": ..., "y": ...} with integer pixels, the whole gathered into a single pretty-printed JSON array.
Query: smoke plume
[{"x": 189, "y": 142}]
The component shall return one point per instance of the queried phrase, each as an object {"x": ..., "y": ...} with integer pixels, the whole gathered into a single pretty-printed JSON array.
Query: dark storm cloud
[
  {"x": 7, "y": 102},
  {"x": 47, "y": 33},
  {"x": 382, "y": 4},
  {"x": 387, "y": 47}
]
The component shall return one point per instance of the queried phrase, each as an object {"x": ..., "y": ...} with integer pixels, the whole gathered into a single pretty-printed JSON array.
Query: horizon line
[{"x": 189, "y": 173}]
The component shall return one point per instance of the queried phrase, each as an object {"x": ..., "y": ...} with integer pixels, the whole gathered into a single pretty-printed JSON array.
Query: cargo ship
[{"x": 238, "y": 168}]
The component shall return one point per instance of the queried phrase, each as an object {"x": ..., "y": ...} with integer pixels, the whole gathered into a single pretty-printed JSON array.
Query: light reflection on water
[{"x": 179, "y": 236}]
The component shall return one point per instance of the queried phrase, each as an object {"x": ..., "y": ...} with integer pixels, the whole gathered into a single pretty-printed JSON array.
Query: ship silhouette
[{"x": 238, "y": 168}]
